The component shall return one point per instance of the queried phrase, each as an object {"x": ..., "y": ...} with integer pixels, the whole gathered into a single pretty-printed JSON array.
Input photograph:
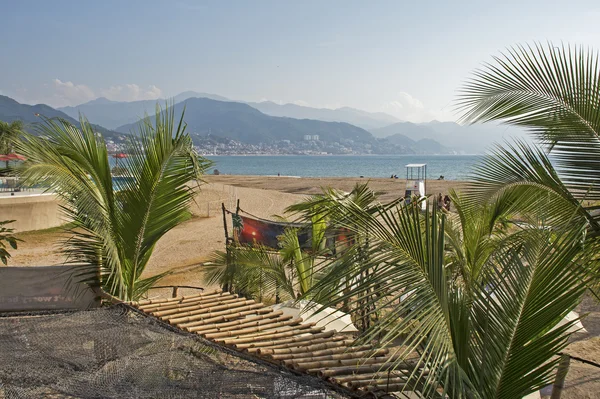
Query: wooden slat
[
  {"x": 198, "y": 308},
  {"x": 146, "y": 302},
  {"x": 242, "y": 322},
  {"x": 341, "y": 359},
  {"x": 324, "y": 352},
  {"x": 276, "y": 326},
  {"x": 302, "y": 329},
  {"x": 189, "y": 303},
  {"x": 267, "y": 347},
  {"x": 354, "y": 361},
  {"x": 186, "y": 316},
  {"x": 250, "y": 326},
  {"x": 180, "y": 300},
  {"x": 313, "y": 340},
  {"x": 227, "y": 314}
]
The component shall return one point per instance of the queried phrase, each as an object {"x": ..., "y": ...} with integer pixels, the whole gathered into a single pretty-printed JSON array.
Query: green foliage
[
  {"x": 117, "y": 230},
  {"x": 9, "y": 133},
  {"x": 553, "y": 92},
  {"x": 6, "y": 237},
  {"x": 259, "y": 272},
  {"x": 477, "y": 295},
  {"x": 478, "y": 305}
]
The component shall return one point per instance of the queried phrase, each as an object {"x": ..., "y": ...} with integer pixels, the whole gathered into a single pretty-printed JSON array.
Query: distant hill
[
  {"x": 422, "y": 146},
  {"x": 11, "y": 110},
  {"x": 241, "y": 122},
  {"x": 113, "y": 114},
  {"x": 471, "y": 139},
  {"x": 363, "y": 119}
]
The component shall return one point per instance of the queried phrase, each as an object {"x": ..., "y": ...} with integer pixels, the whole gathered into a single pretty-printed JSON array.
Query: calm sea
[{"x": 452, "y": 167}]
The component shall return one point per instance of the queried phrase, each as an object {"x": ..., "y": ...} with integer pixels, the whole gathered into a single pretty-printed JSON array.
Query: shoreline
[
  {"x": 340, "y": 155},
  {"x": 388, "y": 188}
]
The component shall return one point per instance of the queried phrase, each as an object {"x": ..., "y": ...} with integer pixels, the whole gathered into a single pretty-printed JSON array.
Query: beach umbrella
[
  {"x": 117, "y": 156},
  {"x": 11, "y": 157},
  {"x": 331, "y": 319},
  {"x": 16, "y": 157}
]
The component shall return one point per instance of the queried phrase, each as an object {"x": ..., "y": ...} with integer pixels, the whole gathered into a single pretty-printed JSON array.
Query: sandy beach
[
  {"x": 195, "y": 240},
  {"x": 183, "y": 249}
]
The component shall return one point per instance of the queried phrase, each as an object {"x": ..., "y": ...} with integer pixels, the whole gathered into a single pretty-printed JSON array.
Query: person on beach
[
  {"x": 440, "y": 202},
  {"x": 447, "y": 203}
]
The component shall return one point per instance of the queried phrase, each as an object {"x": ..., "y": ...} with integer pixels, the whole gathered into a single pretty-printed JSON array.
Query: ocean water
[{"x": 452, "y": 167}]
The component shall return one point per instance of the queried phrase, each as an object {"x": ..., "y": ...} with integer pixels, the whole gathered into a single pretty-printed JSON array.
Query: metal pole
[
  {"x": 225, "y": 222},
  {"x": 561, "y": 374}
]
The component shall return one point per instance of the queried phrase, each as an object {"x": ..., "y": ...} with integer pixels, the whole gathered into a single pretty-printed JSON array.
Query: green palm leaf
[
  {"x": 489, "y": 336},
  {"x": 116, "y": 231},
  {"x": 554, "y": 92}
]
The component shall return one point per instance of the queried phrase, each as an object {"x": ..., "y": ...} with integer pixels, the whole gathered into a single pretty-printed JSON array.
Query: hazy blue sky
[{"x": 404, "y": 58}]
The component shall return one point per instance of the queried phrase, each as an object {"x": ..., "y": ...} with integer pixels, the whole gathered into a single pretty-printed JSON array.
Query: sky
[{"x": 405, "y": 58}]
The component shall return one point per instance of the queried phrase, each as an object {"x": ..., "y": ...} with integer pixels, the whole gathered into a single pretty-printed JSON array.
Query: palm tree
[
  {"x": 6, "y": 236},
  {"x": 553, "y": 92},
  {"x": 9, "y": 133},
  {"x": 290, "y": 271},
  {"x": 481, "y": 317},
  {"x": 476, "y": 295},
  {"x": 257, "y": 271},
  {"x": 114, "y": 227}
]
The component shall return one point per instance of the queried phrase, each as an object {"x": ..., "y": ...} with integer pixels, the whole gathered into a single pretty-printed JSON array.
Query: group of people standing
[{"x": 443, "y": 202}]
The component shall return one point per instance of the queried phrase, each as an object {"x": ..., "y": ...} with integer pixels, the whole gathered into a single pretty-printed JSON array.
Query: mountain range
[
  {"x": 357, "y": 117},
  {"x": 421, "y": 146},
  {"x": 241, "y": 122},
  {"x": 467, "y": 139},
  {"x": 113, "y": 114},
  {"x": 11, "y": 110},
  {"x": 263, "y": 122}
]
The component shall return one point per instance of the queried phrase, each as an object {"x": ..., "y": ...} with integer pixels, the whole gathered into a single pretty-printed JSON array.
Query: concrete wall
[{"x": 31, "y": 212}]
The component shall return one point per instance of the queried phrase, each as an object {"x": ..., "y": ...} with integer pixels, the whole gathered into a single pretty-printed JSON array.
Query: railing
[{"x": 13, "y": 185}]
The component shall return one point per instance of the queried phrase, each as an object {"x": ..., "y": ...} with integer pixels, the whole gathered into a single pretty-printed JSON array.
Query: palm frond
[
  {"x": 554, "y": 92},
  {"x": 487, "y": 337},
  {"x": 116, "y": 232}
]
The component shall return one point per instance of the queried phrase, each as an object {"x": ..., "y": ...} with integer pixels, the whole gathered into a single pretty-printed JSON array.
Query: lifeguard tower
[{"x": 416, "y": 179}]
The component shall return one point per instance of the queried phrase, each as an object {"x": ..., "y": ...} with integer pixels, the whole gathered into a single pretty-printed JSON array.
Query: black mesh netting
[{"x": 118, "y": 353}]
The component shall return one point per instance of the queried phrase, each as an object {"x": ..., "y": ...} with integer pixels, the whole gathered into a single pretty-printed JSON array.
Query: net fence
[{"x": 117, "y": 352}]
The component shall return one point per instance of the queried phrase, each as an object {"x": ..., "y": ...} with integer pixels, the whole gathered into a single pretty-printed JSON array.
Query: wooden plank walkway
[{"x": 249, "y": 326}]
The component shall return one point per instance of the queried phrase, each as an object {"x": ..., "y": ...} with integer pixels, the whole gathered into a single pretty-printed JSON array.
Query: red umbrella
[
  {"x": 118, "y": 156},
  {"x": 16, "y": 157},
  {"x": 12, "y": 157}
]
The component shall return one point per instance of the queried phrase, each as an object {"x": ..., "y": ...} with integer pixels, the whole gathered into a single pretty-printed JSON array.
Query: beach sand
[
  {"x": 195, "y": 240},
  {"x": 184, "y": 248},
  {"x": 389, "y": 188}
]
